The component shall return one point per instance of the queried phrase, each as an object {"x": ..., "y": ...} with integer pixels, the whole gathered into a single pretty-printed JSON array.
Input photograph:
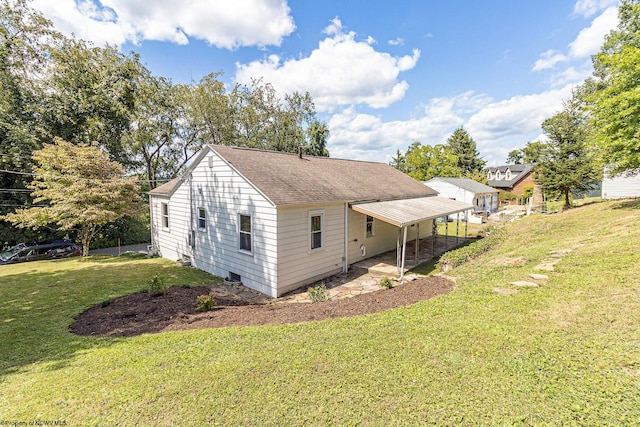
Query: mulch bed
[{"x": 140, "y": 313}]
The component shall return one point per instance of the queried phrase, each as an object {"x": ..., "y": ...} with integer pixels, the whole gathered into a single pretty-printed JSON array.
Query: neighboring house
[
  {"x": 482, "y": 197},
  {"x": 511, "y": 178},
  {"x": 278, "y": 221},
  {"x": 620, "y": 186},
  {"x": 516, "y": 179}
]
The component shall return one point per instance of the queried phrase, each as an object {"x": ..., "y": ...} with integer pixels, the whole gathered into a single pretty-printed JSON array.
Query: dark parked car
[{"x": 38, "y": 251}]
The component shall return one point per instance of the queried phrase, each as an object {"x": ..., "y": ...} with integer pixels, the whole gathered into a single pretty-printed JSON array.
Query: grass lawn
[{"x": 566, "y": 353}]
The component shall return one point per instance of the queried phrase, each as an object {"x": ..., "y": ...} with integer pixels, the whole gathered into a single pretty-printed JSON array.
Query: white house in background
[
  {"x": 482, "y": 197},
  {"x": 620, "y": 186},
  {"x": 279, "y": 221}
]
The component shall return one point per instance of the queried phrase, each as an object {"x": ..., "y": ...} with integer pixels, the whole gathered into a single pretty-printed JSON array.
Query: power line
[{"x": 35, "y": 175}]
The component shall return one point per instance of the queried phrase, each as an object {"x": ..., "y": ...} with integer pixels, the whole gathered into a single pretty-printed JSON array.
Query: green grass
[{"x": 567, "y": 353}]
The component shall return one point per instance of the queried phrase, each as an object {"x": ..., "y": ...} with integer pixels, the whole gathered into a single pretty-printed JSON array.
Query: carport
[{"x": 407, "y": 212}]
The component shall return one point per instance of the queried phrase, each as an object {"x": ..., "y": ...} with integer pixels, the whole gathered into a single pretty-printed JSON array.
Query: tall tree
[
  {"x": 26, "y": 40},
  {"x": 92, "y": 93},
  {"x": 317, "y": 135},
  {"x": 530, "y": 154},
  {"x": 398, "y": 161},
  {"x": 613, "y": 95},
  {"x": 464, "y": 147},
  {"x": 82, "y": 188},
  {"x": 423, "y": 162},
  {"x": 565, "y": 164}
]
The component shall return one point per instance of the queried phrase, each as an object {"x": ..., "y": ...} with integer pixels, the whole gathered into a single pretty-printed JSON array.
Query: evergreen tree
[
  {"x": 464, "y": 147},
  {"x": 564, "y": 163}
]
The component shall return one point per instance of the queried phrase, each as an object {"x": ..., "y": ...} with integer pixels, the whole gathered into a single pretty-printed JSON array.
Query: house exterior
[
  {"x": 620, "y": 186},
  {"x": 278, "y": 221},
  {"x": 511, "y": 178},
  {"x": 480, "y": 196}
]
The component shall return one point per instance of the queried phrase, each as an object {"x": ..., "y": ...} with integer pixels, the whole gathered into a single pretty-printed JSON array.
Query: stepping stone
[
  {"x": 561, "y": 252},
  {"x": 505, "y": 291},
  {"x": 545, "y": 267},
  {"x": 523, "y": 284},
  {"x": 535, "y": 276}
]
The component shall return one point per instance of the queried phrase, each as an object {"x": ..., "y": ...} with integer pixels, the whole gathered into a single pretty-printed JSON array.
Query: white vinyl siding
[
  {"x": 226, "y": 194},
  {"x": 297, "y": 264}
]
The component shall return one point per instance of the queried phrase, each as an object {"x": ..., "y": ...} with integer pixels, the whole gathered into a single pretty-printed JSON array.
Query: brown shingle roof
[
  {"x": 288, "y": 180},
  {"x": 167, "y": 188},
  {"x": 285, "y": 179}
]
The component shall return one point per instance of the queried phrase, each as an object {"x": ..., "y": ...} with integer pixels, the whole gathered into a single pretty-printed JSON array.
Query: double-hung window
[
  {"x": 370, "y": 230},
  {"x": 245, "y": 232},
  {"x": 165, "y": 215},
  {"x": 202, "y": 219},
  {"x": 316, "y": 229}
]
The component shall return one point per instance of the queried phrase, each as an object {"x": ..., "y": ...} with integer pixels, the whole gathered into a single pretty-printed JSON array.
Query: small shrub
[
  {"x": 318, "y": 293},
  {"x": 386, "y": 282},
  {"x": 457, "y": 257},
  {"x": 105, "y": 303},
  {"x": 205, "y": 303},
  {"x": 157, "y": 286}
]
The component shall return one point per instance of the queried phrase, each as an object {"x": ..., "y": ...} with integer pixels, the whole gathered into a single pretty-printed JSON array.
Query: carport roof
[{"x": 411, "y": 211}]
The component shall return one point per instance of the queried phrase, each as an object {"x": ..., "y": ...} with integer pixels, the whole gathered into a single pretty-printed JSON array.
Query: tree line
[
  {"x": 54, "y": 88},
  {"x": 597, "y": 128}
]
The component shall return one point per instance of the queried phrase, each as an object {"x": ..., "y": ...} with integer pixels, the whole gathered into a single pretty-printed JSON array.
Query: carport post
[
  {"x": 404, "y": 247},
  {"x": 417, "y": 251},
  {"x": 398, "y": 249}
]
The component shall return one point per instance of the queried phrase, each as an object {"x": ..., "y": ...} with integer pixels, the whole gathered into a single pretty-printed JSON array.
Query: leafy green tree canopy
[
  {"x": 613, "y": 95},
  {"x": 423, "y": 162},
  {"x": 83, "y": 190},
  {"x": 564, "y": 162}
]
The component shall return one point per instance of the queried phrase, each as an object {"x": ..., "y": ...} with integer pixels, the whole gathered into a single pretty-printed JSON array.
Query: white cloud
[
  {"x": 548, "y": 59},
  {"x": 341, "y": 71},
  {"x": 398, "y": 41},
  {"x": 497, "y": 126},
  {"x": 590, "y": 39},
  {"x": 223, "y": 24},
  {"x": 588, "y": 8}
]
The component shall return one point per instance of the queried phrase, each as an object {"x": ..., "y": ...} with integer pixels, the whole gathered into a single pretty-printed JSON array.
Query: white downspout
[{"x": 345, "y": 265}]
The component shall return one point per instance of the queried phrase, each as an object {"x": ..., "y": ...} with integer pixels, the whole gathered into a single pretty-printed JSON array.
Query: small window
[
  {"x": 498, "y": 176},
  {"x": 507, "y": 174},
  {"x": 489, "y": 176},
  {"x": 370, "y": 230},
  {"x": 316, "y": 227},
  {"x": 202, "y": 218},
  {"x": 234, "y": 277},
  {"x": 165, "y": 215},
  {"x": 245, "y": 233}
]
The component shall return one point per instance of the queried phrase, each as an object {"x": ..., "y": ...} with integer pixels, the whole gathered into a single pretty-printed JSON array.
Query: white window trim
[
  {"x": 252, "y": 234},
  {"x": 311, "y": 214},
  {"x": 203, "y": 218},
  {"x": 163, "y": 216},
  {"x": 373, "y": 226}
]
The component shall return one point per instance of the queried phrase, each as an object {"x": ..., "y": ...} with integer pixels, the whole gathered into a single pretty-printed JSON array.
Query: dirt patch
[{"x": 175, "y": 310}]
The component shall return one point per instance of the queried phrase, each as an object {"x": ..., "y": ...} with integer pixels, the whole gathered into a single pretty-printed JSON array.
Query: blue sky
[{"x": 383, "y": 74}]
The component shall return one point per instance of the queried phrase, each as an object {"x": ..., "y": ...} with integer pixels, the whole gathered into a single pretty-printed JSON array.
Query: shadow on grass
[
  {"x": 41, "y": 301},
  {"x": 627, "y": 204}
]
